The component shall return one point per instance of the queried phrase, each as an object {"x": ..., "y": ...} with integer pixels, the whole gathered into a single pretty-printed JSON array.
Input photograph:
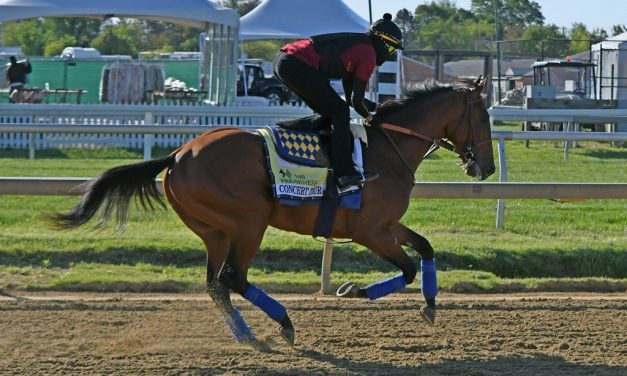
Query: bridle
[{"x": 466, "y": 153}]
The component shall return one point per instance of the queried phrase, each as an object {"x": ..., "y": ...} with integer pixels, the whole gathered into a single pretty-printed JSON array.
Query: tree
[
  {"x": 544, "y": 40},
  {"x": 618, "y": 29},
  {"x": 242, "y": 6},
  {"x": 582, "y": 38},
  {"x": 505, "y": 14},
  {"x": 59, "y": 33},
  {"x": 262, "y": 49},
  {"x": 442, "y": 10},
  {"x": 405, "y": 21},
  {"x": 245, "y": 7},
  {"x": 81, "y": 30},
  {"x": 26, "y": 34},
  {"x": 123, "y": 38},
  {"x": 55, "y": 47},
  {"x": 441, "y": 25},
  {"x": 159, "y": 34}
]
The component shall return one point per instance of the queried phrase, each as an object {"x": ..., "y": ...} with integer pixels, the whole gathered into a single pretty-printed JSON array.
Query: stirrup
[{"x": 346, "y": 181}]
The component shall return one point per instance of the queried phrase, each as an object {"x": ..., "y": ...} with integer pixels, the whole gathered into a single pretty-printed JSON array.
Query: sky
[{"x": 563, "y": 13}]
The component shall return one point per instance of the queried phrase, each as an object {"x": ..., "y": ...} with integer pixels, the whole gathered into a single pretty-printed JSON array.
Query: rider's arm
[
  {"x": 357, "y": 99},
  {"x": 370, "y": 105},
  {"x": 347, "y": 85},
  {"x": 364, "y": 59}
]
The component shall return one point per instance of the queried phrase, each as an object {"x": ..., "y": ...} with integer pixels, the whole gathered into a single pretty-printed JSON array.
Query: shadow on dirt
[{"x": 501, "y": 365}]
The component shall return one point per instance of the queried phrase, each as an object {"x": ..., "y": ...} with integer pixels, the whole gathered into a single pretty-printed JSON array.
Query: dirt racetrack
[{"x": 122, "y": 334}]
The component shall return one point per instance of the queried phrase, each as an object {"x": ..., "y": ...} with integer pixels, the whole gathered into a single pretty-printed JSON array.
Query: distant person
[
  {"x": 305, "y": 66},
  {"x": 16, "y": 75}
]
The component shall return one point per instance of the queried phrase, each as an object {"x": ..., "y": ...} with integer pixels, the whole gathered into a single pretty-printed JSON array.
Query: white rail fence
[
  {"x": 148, "y": 132},
  {"x": 68, "y": 187},
  {"x": 107, "y": 117},
  {"x": 146, "y": 125}
]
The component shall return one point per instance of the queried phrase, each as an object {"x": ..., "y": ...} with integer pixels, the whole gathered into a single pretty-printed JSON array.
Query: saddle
[
  {"x": 298, "y": 164},
  {"x": 307, "y": 140},
  {"x": 309, "y": 148},
  {"x": 312, "y": 123}
]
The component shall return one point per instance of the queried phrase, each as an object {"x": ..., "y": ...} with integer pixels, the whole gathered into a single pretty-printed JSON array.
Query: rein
[{"x": 437, "y": 142}]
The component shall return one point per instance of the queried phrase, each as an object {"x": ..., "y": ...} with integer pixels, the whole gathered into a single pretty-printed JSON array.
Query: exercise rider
[{"x": 306, "y": 66}]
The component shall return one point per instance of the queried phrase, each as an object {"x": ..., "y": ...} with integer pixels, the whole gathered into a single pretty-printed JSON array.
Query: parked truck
[{"x": 256, "y": 83}]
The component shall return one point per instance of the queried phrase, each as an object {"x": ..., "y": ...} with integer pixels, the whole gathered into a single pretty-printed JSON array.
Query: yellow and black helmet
[{"x": 388, "y": 32}]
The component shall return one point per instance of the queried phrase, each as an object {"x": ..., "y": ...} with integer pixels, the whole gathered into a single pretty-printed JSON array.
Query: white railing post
[
  {"x": 500, "y": 203},
  {"x": 566, "y": 142},
  {"x": 31, "y": 146},
  {"x": 327, "y": 256},
  {"x": 148, "y": 137}
]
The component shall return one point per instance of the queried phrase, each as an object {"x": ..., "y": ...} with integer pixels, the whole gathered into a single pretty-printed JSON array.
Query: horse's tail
[{"x": 112, "y": 191}]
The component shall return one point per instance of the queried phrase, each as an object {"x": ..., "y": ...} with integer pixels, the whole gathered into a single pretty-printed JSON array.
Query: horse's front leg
[
  {"x": 384, "y": 244},
  {"x": 428, "y": 276}
]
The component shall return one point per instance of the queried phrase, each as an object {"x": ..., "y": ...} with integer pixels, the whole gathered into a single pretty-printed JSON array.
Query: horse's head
[
  {"x": 438, "y": 112},
  {"x": 472, "y": 135}
]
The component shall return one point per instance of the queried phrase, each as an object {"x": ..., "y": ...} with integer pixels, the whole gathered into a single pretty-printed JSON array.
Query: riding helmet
[{"x": 387, "y": 38}]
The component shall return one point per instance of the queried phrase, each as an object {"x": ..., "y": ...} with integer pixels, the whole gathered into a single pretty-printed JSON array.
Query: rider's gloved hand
[{"x": 373, "y": 121}]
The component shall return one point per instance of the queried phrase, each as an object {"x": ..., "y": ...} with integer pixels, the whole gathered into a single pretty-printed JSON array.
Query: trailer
[{"x": 563, "y": 84}]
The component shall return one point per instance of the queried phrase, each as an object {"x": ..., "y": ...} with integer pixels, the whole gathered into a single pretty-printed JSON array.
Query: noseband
[{"x": 465, "y": 154}]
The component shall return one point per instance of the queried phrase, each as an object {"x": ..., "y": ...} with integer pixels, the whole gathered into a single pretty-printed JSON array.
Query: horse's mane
[{"x": 418, "y": 91}]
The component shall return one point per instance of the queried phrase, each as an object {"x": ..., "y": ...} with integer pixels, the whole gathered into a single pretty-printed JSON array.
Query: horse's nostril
[{"x": 490, "y": 171}]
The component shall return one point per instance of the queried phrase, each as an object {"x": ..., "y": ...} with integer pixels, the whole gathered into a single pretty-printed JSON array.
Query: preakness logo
[{"x": 297, "y": 179}]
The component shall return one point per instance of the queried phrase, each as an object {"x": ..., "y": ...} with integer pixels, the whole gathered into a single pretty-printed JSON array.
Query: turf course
[{"x": 545, "y": 245}]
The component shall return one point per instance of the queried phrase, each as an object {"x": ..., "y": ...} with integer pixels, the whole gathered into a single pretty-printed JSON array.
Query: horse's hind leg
[
  {"x": 234, "y": 275},
  {"x": 230, "y": 250},
  {"x": 217, "y": 246}
]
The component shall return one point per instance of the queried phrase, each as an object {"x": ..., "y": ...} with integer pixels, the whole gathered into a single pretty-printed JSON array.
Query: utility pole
[{"x": 496, "y": 20}]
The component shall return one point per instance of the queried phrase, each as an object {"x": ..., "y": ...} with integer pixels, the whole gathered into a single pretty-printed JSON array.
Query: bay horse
[{"x": 218, "y": 185}]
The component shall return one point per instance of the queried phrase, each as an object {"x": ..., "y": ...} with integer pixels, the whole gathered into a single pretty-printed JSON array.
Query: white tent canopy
[
  {"x": 218, "y": 42},
  {"x": 293, "y": 19},
  {"x": 196, "y": 13}
]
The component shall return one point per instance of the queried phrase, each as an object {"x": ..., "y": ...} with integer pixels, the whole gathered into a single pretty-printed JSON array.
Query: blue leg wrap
[
  {"x": 385, "y": 287},
  {"x": 238, "y": 326},
  {"x": 266, "y": 303},
  {"x": 428, "y": 282}
]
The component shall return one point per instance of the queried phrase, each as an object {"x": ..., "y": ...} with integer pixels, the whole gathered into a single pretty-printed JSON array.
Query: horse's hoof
[
  {"x": 260, "y": 346},
  {"x": 428, "y": 314},
  {"x": 288, "y": 335},
  {"x": 347, "y": 290}
]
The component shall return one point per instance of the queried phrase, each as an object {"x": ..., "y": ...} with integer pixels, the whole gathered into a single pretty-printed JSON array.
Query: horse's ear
[{"x": 480, "y": 83}]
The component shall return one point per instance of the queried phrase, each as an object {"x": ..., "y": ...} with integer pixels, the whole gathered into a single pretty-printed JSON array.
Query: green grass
[{"x": 545, "y": 245}]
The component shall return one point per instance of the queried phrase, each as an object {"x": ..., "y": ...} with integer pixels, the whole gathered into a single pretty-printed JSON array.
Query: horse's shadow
[
  {"x": 606, "y": 154},
  {"x": 540, "y": 364},
  {"x": 271, "y": 259}
]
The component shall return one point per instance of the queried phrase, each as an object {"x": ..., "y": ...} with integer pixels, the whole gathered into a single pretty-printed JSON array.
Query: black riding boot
[{"x": 341, "y": 154}]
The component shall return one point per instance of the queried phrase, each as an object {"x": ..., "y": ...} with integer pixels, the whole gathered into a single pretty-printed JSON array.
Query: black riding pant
[{"x": 316, "y": 91}]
